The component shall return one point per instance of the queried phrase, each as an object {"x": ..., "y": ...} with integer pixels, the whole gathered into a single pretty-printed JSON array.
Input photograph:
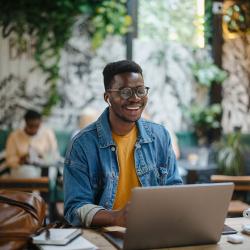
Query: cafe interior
[{"x": 195, "y": 56}]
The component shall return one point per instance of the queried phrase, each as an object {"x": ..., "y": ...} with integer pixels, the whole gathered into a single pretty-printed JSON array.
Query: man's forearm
[
  {"x": 110, "y": 217},
  {"x": 96, "y": 216},
  {"x": 104, "y": 218},
  {"x": 87, "y": 212}
]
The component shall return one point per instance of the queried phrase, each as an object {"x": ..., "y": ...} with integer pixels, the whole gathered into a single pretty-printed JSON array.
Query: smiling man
[{"x": 118, "y": 152}]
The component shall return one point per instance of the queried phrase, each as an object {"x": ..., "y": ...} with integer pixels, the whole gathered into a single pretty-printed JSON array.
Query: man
[
  {"x": 116, "y": 153},
  {"x": 31, "y": 145}
]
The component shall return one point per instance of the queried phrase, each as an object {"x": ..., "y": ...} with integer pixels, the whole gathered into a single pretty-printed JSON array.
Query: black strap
[{"x": 26, "y": 206}]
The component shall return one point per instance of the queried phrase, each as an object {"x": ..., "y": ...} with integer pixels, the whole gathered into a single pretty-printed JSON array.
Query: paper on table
[
  {"x": 79, "y": 243},
  {"x": 58, "y": 236}
]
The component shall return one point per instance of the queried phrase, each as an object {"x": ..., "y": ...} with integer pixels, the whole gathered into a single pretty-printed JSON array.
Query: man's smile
[{"x": 133, "y": 107}]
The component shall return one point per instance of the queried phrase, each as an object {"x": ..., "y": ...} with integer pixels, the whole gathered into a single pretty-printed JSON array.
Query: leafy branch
[
  {"x": 50, "y": 24},
  {"x": 230, "y": 154},
  {"x": 206, "y": 72}
]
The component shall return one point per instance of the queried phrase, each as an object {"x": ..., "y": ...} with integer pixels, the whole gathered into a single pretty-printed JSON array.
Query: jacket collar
[{"x": 105, "y": 135}]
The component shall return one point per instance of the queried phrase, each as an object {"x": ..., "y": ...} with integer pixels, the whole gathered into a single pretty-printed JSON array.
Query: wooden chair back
[
  {"x": 39, "y": 184},
  {"x": 242, "y": 185}
]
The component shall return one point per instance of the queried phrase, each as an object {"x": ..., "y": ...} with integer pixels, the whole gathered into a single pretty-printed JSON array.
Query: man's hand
[
  {"x": 120, "y": 216},
  {"x": 111, "y": 217}
]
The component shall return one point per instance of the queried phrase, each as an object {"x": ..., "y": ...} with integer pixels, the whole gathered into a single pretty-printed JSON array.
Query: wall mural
[
  {"x": 166, "y": 70},
  {"x": 168, "y": 74},
  {"x": 236, "y": 60},
  {"x": 236, "y": 89},
  {"x": 81, "y": 84},
  {"x": 22, "y": 85}
]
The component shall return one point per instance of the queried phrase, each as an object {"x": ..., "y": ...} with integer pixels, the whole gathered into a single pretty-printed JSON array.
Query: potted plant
[
  {"x": 230, "y": 154},
  {"x": 205, "y": 119}
]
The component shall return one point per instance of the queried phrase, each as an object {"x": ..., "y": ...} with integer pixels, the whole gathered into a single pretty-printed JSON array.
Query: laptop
[{"x": 171, "y": 216}]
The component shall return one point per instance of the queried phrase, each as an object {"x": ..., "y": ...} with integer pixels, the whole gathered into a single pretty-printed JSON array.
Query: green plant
[
  {"x": 208, "y": 19},
  {"x": 237, "y": 17},
  {"x": 206, "y": 72},
  {"x": 49, "y": 24},
  {"x": 230, "y": 155},
  {"x": 169, "y": 21},
  {"x": 204, "y": 119}
]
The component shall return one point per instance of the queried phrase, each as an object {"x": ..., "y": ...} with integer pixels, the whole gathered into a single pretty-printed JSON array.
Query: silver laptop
[{"x": 171, "y": 216}]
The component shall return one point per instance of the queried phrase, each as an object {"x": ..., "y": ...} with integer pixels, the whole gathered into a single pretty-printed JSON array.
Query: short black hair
[
  {"x": 119, "y": 67},
  {"x": 32, "y": 115}
]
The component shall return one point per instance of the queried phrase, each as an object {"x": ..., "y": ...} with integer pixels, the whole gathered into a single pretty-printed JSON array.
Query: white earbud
[
  {"x": 246, "y": 213},
  {"x": 108, "y": 102}
]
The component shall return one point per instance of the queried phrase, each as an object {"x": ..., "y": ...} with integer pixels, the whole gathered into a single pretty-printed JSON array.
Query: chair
[
  {"x": 242, "y": 187},
  {"x": 41, "y": 184}
]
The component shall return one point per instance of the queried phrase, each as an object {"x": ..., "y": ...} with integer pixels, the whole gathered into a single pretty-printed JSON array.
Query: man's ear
[
  {"x": 105, "y": 96},
  {"x": 106, "y": 99}
]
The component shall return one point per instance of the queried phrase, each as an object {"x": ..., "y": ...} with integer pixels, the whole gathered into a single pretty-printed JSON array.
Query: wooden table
[{"x": 236, "y": 223}]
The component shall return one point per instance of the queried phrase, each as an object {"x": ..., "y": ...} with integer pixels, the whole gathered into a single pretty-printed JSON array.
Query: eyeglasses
[{"x": 126, "y": 93}]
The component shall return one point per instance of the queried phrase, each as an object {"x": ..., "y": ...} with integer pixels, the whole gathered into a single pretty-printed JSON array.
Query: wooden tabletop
[{"x": 236, "y": 223}]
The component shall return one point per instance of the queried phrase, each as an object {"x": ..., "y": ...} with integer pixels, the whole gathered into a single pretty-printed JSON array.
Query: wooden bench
[
  {"x": 38, "y": 184},
  {"x": 242, "y": 185}
]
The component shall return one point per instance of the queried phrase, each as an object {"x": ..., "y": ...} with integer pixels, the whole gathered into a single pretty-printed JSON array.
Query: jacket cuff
[{"x": 87, "y": 212}]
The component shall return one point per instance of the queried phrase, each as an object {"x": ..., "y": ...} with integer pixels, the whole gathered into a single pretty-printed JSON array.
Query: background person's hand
[{"x": 23, "y": 159}]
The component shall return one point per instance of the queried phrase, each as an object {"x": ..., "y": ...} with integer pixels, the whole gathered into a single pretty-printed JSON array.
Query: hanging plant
[
  {"x": 50, "y": 23},
  {"x": 205, "y": 71},
  {"x": 237, "y": 18}
]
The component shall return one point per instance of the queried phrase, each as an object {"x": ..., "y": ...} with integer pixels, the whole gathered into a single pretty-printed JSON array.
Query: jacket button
[
  {"x": 113, "y": 149},
  {"x": 137, "y": 145}
]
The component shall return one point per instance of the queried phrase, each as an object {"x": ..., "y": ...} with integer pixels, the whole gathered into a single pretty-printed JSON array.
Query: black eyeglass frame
[{"x": 133, "y": 91}]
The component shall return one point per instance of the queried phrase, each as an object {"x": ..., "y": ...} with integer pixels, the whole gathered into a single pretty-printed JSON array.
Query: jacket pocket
[{"x": 163, "y": 173}]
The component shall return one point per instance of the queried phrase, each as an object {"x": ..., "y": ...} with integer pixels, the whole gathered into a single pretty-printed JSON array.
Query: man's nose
[{"x": 134, "y": 96}]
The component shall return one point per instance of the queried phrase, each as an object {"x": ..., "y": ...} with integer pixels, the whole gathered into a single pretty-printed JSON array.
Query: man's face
[
  {"x": 32, "y": 126},
  {"x": 127, "y": 110}
]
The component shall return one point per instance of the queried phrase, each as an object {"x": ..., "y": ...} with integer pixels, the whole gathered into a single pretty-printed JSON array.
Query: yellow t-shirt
[{"x": 128, "y": 178}]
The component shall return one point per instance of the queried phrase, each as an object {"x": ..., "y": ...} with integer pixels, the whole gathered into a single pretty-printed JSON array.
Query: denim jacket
[{"x": 91, "y": 170}]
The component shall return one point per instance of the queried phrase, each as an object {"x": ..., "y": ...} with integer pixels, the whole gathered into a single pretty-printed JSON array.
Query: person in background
[
  {"x": 118, "y": 152},
  {"x": 30, "y": 146}
]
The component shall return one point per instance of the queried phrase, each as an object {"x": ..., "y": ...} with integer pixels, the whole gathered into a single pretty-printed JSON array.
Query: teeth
[{"x": 133, "y": 108}]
